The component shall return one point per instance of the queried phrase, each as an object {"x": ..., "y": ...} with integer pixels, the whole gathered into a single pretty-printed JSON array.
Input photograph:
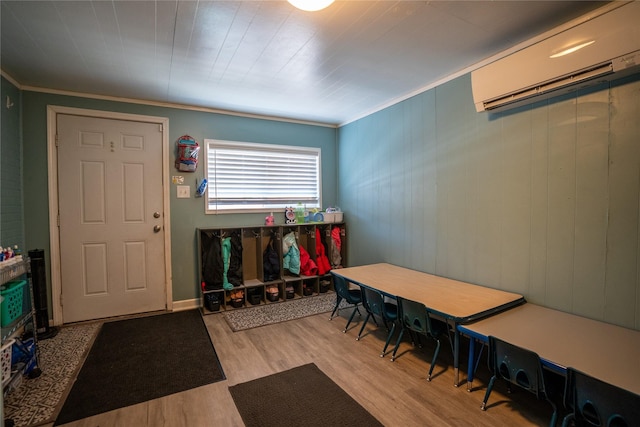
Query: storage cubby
[
  {"x": 293, "y": 288},
  {"x": 307, "y": 239},
  {"x": 235, "y": 298},
  {"x": 212, "y": 301},
  {"x": 251, "y": 253},
  {"x": 290, "y": 236},
  {"x": 310, "y": 287},
  {"x": 18, "y": 322},
  {"x": 255, "y": 295},
  {"x": 335, "y": 239},
  {"x": 255, "y": 273},
  {"x": 269, "y": 265},
  {"x": 274, "y": 292},
  {"x": 325, "y": 284}
]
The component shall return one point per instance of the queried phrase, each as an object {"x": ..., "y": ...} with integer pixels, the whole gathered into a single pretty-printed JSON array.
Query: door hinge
[
  {"x": 58, "y": 220},
  {"x": 161, "y": 127},
  {"x": 61, "y": 299},
  {"x": 57, "y": 140}
]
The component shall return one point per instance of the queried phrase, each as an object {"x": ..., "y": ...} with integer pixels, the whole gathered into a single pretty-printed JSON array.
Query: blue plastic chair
[
  {"x": 351, "y": 296},
  {"x": 373, "y": 301},
  {"x": 518, "y": 366},
  {"x": 597, "y": 403},
  {"x": 414, "y": 317}
]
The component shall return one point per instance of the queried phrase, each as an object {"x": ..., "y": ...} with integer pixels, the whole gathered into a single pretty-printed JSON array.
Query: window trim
[{"x": 291, "y": 149}]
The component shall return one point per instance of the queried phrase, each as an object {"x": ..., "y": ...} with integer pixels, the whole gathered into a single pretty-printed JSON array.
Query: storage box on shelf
[
  {"x": 333, "y": 217},
  {"x": 260, "y": 267},
  {"x": 17, "y": 316}
]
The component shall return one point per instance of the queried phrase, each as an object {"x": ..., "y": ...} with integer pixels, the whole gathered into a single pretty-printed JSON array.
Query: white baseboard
[{"x": 187, "y": 304}]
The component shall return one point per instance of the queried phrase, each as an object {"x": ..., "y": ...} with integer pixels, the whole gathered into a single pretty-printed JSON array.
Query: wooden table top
[
  {"x": 605, "y": 351},
  {"x": 463, "y": 302}
]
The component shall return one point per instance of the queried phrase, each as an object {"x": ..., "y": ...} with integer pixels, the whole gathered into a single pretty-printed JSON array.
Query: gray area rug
[
  {"x": 38, "y": 400},
  {"x": 302, "y": 396},
  {"x": 268, "y": 314},
  {"x": 136, "y": 360}
]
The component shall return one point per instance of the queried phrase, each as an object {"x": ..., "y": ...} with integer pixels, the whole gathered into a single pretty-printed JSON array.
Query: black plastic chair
[
  {"x": 597, "y": 403},
  {"x": 352, "y": 296},
  {"x": 373, "y": 301},
  {"x": 414, "y": 317},
  {"x": 517, "y": 366}
]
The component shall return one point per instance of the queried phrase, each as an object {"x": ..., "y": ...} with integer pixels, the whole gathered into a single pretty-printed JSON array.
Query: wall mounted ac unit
[{"x": 610, "y": 49}]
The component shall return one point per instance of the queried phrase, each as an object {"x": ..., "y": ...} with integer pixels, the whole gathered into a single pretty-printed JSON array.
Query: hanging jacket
[
  {"x": 234, "y": 272},
  {"x": 307, "y": 266},
  {"x": 212, "y": 268},
  {"x": 271, "y": 262},
  {"x": 336, "y": 245},
  {"x": 291, "y": 258},
  {"x": 321, "y": 256},
  {"x": 226, "y": 257}
]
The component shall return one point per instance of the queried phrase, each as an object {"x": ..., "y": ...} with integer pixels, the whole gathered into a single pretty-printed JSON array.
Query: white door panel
[{"x": 109, "y": 188}]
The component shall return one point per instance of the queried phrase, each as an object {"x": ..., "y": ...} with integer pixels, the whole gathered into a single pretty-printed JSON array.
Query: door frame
[{"x": 54, "y": 227}]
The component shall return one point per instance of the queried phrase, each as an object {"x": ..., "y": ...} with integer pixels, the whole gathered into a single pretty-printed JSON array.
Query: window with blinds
[{"x": 261, "y": 177}]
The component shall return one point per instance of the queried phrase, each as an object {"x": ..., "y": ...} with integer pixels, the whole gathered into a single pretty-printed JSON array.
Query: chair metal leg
[
  {"x": 363, "y": 325},
  {"x": 433, "y": 360},
  {"x": 395, "y": 349},
  {"x": 353, "y": 313},
  {"x": 566, "y": 421},
  {"x": 338, "y": 301},
  {"x": 554, "y": 416},
  {"x": 386, "y": 344},
  {"x": 486, "y": 395}
]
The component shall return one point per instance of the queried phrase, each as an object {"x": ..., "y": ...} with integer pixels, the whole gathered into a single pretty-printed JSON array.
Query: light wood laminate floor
[{"x": 396, "y": 393}]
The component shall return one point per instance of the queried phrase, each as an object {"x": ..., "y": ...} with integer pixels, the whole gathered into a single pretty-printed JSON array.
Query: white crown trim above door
[{"x": 54, "y": 201}]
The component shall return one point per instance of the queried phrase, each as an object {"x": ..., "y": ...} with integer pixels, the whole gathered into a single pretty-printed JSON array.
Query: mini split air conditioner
[{"x": 608, "y": 47}]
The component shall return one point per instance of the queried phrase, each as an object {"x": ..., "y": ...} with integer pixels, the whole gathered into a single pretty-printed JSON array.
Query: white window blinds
[{"x": 243, "y": 176}]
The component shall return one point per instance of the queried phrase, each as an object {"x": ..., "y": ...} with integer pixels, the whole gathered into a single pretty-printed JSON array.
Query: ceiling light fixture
[
  {"x": 569, "y": 50},
  {"x": 311, "y": 5}
]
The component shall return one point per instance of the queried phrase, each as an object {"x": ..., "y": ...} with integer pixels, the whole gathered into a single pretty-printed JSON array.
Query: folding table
[
  {"x": 602, "y": 350},
  {"x": 455, "y": 301}
]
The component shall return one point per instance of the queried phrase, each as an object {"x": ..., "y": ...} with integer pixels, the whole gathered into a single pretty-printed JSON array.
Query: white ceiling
[{"x": 263, "y": 57}]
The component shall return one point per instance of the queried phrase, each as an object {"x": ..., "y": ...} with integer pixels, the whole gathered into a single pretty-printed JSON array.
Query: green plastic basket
[{"x": 12, "y": 294}]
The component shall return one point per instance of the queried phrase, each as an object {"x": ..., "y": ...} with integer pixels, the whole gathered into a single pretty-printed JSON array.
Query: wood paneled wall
[
  {"x": 542, "y": 200},
  {"x": 11, "y": 209}
]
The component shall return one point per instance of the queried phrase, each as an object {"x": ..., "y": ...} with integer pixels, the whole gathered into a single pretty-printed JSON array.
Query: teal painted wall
[
  {"x": 543, "y": 200},
  {"x": 11, "y": 223},
  {"x": 186, "y": 214}
]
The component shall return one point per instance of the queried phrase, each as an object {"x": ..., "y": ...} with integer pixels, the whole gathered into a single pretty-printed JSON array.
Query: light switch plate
[{"x": 183, "y": 191}]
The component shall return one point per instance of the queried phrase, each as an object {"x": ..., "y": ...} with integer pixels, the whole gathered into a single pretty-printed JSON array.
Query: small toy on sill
[
  {"x": 289, "y": 216},
  {"x": 269, "y": 220}
]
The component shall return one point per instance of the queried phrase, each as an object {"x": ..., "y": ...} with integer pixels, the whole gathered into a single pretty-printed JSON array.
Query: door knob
[
  {"x": 156, "y": 228},
  {"x": 156, "y": 214}
]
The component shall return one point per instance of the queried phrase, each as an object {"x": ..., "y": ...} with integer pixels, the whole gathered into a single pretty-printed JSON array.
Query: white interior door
[{"x": 110, "y": 201}]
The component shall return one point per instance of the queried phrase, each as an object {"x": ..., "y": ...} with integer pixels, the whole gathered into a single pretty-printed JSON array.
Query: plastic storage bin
[
  {"x": 333, "y": 217},
  {"x": 12, "y": 296},
  {"x": 212, "y": 302}
]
